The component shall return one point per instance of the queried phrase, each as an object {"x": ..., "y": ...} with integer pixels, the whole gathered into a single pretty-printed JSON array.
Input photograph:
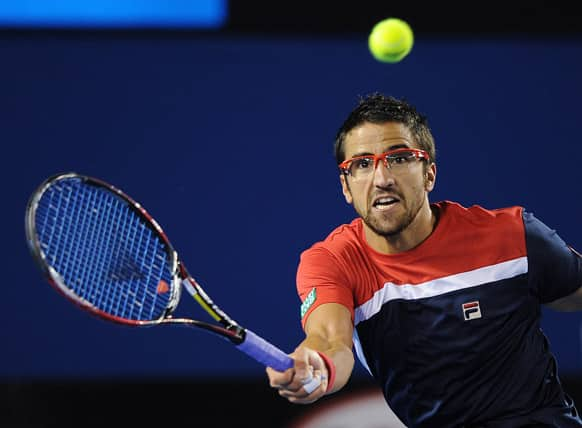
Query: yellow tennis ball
[{"x": 390, "y": 40}]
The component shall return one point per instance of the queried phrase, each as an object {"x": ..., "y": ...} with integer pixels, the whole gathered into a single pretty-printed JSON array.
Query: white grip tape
[{"x": 311, "y": 384}]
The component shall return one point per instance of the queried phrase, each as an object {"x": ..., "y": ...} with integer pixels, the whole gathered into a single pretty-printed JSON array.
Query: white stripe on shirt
[{"x": 439, "y": 286}]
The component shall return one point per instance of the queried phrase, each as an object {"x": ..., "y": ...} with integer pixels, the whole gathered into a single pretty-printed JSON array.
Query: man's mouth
[{"x": 384, "y": 202}]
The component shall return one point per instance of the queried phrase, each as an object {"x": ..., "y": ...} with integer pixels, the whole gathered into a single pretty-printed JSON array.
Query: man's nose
[{"x": 382, "y": 173}]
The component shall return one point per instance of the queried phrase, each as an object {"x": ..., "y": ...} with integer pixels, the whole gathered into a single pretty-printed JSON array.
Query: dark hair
[{"x": 378, "y": 108}]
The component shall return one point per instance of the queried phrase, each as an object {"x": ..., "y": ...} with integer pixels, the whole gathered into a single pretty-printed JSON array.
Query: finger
[
  {"x": 279, "y": 380},
  {"x": 311, "y": 383},
  {"x": 282, "y": 385},
  {"x": 301, "y": 387}
]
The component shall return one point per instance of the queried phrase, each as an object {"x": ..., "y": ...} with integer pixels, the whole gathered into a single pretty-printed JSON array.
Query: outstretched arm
[{"x": 328, "y": 331}]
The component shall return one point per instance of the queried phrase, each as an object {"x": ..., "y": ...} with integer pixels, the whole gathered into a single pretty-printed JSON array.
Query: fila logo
[{"x": 471, "y": 310}]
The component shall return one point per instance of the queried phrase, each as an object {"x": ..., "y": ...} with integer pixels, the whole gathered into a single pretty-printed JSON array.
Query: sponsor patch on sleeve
[{"x": 308, "y": 302}]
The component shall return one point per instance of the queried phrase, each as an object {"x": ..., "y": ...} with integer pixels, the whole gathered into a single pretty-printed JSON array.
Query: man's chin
[
  {"x": 384, "y": 228},
  {"x": 388, "y": 233}
]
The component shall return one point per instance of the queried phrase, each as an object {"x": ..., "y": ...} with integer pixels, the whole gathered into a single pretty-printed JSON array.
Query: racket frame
[{"x": 180, "y": 277}]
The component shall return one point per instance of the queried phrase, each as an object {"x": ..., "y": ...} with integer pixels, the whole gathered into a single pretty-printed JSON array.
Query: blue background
[
  {"x": 114, "y": 14},
  {"x": 147, "y": 113}
]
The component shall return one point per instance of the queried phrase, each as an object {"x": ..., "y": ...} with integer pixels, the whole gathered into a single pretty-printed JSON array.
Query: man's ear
[
  {"x": 430, "y": 177},
  {"x": 346, "y": 189}
]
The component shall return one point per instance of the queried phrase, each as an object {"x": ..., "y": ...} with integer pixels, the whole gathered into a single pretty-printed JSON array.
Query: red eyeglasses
[{"x": 398, "y": 161}]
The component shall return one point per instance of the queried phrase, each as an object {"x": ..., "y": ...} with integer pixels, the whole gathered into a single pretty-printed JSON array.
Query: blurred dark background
[
  {"x": 142, "y": 102},
  {"x": 455, "y": 19}
]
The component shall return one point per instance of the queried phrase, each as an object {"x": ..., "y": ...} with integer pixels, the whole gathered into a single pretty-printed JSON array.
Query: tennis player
[{"x": 440, "y": 302}]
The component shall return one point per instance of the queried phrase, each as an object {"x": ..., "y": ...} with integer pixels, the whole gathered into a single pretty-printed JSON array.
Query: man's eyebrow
[
  {"x": 389, "y": 148},
  {"x": 398, "y": 146}
]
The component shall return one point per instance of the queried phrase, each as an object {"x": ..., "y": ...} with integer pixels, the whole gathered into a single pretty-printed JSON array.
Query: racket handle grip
[{"x": 264, "y": 352}]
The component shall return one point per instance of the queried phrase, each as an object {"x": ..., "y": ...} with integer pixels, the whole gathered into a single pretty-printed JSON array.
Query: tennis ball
[{"x": 390, "y": 40}]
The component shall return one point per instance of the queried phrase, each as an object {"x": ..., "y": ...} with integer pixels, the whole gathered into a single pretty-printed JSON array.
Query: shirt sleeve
[
  {"x": 320, "y": 280},
  {"x": 555, "y": 269}
]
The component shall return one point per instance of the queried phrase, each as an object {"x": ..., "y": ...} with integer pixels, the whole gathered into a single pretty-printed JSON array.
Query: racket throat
[{"x": 208, "y": 305}]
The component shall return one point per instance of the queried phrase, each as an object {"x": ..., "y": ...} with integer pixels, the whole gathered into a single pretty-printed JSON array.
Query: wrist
[{"x": 329, "y": 364}]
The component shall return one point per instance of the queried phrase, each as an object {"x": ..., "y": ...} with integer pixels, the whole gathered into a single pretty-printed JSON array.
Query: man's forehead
[{"x": 374, "y": 136}]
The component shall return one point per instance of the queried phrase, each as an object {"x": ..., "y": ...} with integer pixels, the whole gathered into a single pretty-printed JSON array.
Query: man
[{"x": 441, "y": 303}]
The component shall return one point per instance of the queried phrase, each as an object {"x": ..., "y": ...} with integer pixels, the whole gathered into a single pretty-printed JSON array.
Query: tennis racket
[{"x": 101, "y": 250}]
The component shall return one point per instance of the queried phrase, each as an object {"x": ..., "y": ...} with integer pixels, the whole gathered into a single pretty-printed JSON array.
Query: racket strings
[{"x": 103, "y": 250}]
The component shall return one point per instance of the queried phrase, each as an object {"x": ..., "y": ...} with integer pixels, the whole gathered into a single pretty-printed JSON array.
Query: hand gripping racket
[{"x": 104, "y": 252}]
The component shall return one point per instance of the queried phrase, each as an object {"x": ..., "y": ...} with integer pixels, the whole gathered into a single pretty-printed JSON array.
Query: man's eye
[
  {"x": 400, "y": 159},
  {"x": 363, "y": 163}
]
